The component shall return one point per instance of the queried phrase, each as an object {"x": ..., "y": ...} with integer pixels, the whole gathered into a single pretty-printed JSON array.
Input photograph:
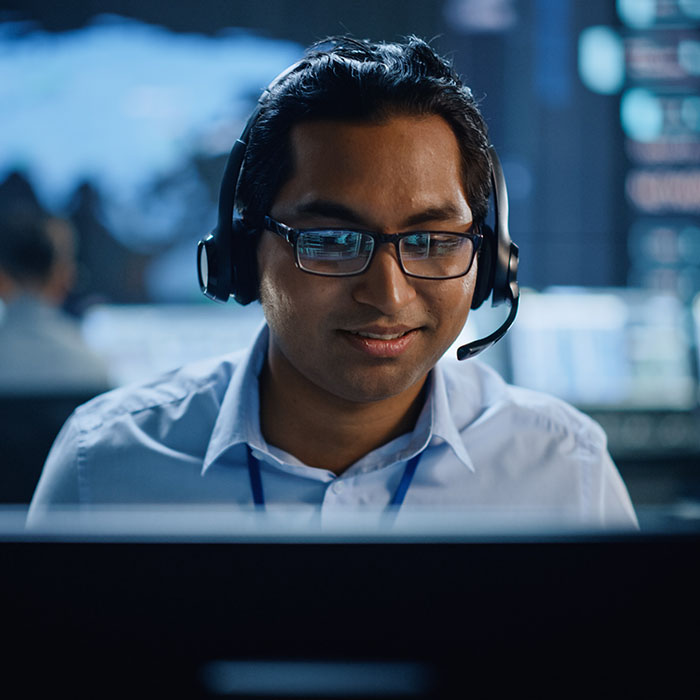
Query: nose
[{"x": 383, "y": 285}]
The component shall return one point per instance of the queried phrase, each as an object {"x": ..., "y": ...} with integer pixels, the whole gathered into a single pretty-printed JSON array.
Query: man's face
[{"x": 400, "y": 175}]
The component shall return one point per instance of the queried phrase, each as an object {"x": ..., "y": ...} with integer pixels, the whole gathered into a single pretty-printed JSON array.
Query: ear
[{"x": 484, "y": 277}]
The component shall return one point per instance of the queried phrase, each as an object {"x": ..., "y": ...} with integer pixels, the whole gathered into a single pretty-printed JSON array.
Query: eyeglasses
[{"x": 340, "y": 252}]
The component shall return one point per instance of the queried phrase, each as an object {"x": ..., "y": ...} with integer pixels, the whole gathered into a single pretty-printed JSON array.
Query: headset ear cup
[
  {"x": 208, "y": 269},
  {"x": 244, "y": 269},
  {"x": 484, "y": 277}
]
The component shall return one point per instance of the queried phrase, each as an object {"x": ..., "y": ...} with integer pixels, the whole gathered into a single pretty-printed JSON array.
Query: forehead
[{"x": 405, "y": 162}]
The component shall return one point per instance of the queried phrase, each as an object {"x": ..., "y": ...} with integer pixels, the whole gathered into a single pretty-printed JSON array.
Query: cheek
[
  {"x": 275, "y": 295},
  {"x": 452, "y": 301},
  {"x": 275, "y": 301},
  {"x": 282, "y": 306},
  {"x": 293, "y": 302},
  {"x": 467, "y": 286}
]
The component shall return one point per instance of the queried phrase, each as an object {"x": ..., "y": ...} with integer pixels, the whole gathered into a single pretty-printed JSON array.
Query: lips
[
  {"x": 379, "y": 336},
  {"x": 377, "y": 341}
]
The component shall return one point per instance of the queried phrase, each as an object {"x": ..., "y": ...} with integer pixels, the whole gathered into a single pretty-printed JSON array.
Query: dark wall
[
  {"x": 561, "y": 145},
  {"x": 301, "y": 21}
]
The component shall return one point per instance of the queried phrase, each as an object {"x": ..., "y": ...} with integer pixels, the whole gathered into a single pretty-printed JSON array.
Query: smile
[
  {"x": 379, "y": 336},
  {"x": 381, "y": 343}
]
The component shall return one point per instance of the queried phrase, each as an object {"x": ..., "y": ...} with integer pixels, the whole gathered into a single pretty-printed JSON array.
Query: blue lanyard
[{"x": 396, "y": 501}]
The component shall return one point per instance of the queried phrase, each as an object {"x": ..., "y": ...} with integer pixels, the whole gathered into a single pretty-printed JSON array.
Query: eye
[
  {"x": 447, "y": 244},
  {"x": 329, "y": 244},
  {"x": 416, "y": 245}
]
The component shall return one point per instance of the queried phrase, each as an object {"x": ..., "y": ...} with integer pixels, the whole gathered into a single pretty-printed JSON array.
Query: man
[
  {"x": 41, "y": 348},
  {"x": 362, "y": 195}
]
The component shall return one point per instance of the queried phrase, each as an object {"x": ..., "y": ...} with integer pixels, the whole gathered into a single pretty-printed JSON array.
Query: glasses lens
[
  {"x": 430, "y": 254},
  {"x": 333, "y": 252}
]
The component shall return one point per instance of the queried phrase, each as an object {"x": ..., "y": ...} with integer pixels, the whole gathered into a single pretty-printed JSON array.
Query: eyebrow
[
  {"x": 331, "y": 210},
  {"x": 336, "y": 210}
]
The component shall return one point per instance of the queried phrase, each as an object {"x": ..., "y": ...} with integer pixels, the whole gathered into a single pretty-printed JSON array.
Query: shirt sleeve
[
  {"x": 616, "y": 505},
  {"x": 609, "y": 499},
  {"x": 59, "y": 481}
]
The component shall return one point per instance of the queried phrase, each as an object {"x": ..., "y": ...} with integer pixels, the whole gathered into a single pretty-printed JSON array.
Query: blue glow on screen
[
  {"x": 601, "y": 60},
  {"x": 642, "y": 115},
  {"x": 639, "y": 14}
]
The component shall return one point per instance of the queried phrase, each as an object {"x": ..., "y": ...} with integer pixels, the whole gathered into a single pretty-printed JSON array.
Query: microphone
[
  {"x": 475, "y": 347},
  {"x": 504, "y": 261}
]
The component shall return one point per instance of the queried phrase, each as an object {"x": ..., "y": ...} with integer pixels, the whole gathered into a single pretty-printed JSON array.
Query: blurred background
[{"x": 116, "y": 119}]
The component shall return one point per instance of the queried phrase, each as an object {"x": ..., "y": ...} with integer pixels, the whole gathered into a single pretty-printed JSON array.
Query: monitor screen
[
  {"x": 194, "y": 614},
  {"x": 141, "y": 341},
  {"x": 605, "y": 349}
]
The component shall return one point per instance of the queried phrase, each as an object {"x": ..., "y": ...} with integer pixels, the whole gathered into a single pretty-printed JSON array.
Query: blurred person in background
[{"x": 41, "y": 348}]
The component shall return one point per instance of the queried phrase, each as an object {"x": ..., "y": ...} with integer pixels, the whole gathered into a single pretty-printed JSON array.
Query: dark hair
[
  {"x": 347, "y": 79},
  {"x": 27, "y": 252}
]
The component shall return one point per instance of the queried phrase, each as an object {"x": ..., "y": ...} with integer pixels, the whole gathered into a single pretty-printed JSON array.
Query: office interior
[
  {"x": 118, "y": 117},
  {"x": 594, "y": 110}
]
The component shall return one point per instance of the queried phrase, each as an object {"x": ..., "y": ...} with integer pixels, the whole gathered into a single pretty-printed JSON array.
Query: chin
[{"x": 368, "y": 389}]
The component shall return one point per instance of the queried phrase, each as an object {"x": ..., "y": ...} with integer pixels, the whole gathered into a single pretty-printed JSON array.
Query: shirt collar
[
  {"x": 238, "y": 420},
  {"x": 442, "y": 419}
]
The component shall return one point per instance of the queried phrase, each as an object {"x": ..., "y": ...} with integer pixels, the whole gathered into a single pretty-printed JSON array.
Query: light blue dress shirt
[{"x": 485, "y": 445}]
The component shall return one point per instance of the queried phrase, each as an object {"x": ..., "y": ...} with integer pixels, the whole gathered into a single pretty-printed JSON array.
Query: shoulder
[
  {"x": 195, "y": 384},
  {"x": 480, "y": 397},
  {"x": 532, "y": 449},
  {"x": 42, "y": 351},
  {"x": 127, "y": 444}
]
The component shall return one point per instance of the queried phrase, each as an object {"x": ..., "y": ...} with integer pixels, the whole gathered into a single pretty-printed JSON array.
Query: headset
[{"x": 227, "y": 262}]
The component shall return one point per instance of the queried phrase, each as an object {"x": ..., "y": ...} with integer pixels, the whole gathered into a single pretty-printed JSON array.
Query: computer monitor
[
  {"x": 606, "y": 349},
  {"x": 94, "y": 607},
  {"x": 140, "y": 341}
]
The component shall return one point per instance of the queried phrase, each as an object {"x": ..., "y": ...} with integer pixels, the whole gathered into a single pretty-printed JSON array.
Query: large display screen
[{"x": 608, "y": 349}]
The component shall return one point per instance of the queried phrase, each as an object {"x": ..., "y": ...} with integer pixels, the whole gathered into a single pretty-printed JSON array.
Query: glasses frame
[{"x": 291, "y": 235}]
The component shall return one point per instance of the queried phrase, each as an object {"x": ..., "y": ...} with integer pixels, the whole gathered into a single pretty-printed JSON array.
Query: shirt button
[{"x": 338, "y": 487}]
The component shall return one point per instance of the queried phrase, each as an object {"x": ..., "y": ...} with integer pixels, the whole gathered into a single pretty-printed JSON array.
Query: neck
[{"x": 326, "y": 431}]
